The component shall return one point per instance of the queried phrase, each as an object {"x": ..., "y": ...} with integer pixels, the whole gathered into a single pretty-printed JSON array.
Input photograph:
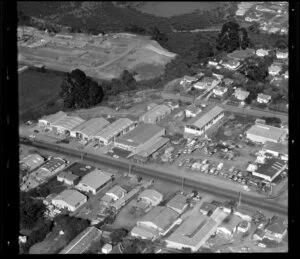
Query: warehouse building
[
  {"x": 66, "y": 124},
  {"x": 277, "y": 149},
  {"x": 262, "y": 133},
  {"x": 94, "y": 181},
  {"x": 199, "y": 124},
  {"x": 83, "y": 241},
  {"x": 69, "y": 199},
  {"x": 154, "y": 146},
  {"x": 32, "y": 161},
  {"x": 115, "y": 130},
  {"x": 195, "y": 230},
  {"x": 87, "y": 130},
  {"x": 156, "y": 113},
  {"x": 143, "y": 135},
  {"x": 47, "y": 121},
  {"x": 157, "y": 222},
  {"x": 270, "y": 169}
]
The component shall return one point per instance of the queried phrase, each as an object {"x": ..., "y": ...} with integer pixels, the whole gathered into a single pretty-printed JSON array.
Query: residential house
[
  {"x": 245, "y": 213},
  {"x": 228, "y": 81},
  {"x": 218, "y": 76},
  {"x": 286, "y": 74},
  {"x": 192, "y": 110},
  {"x": 231, "y": 64},
  {"x": 244, "y": 226},
  {"x": 276, "y": 229},
  {"x": 188, "y": 79},
  {"x": 252, "y": 19},
  {"x": 68, "y": 178},
  {"x": 207, "y": 207},
  {"x": 206, "y": 83},
  {"x": 213, "y": 63},
  {"x": 151, "y": 197},
  {"x": 155, "y": 114},
  {"x": 69, "y": 199},
  {"x": 32, "y": 161},
  {"x": 116, "y": 192},
  {"x": 229, "y": 226},
  {"x": 262, "y": 52},
  {"x": 173, "y": 104},
  {"x": 263, "y": 98},
  {"x": 241, "y": 94},
  {"x": 220, "y": 90},
  {"x": 274, "y": 69},
  {"x": 282, "y": 54},
  {"x": 178, "y": 203}
]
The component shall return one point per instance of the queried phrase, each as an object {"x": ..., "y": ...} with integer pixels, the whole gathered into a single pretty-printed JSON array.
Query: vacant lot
[{"x": 36, "y": 90}]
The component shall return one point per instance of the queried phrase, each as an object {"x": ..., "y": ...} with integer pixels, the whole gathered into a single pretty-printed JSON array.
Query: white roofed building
[
  {"x": 231, "y": 64},
  {"x": 274, "y": 69},
  {"x": 65, "y": 124},
  {"x": 263, "y": 98},
  {"x": 220, "y": 90},
  {"x": 262, "y": 52},
  {"x": 241, "y": 94},
  {"x": 32, "y": 161},
  {"x": 69, "y": 199},
  {"x": 155, "y": 114},
  {"x": 47, "y": 121},
  {"x": 116, "y": 192},
  {"x": 282, "y": 54},
  {"x": 94, "y": 181}
]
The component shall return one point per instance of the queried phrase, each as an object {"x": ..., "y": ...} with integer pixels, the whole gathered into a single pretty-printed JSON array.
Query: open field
[
  {"x": 36, "y": 89},
  {"x": 102, "y": 57}
]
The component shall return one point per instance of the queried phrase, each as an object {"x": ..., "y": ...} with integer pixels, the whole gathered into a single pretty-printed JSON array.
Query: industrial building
[
  {"x": 69, "y": 199},
  {"x": 151, "y": 197},
  {"x": 155, "y": 145},
  {"x": 83, "y": 241},
  {"x": 115, "y": 130},
  {"x": 66, "y": 124},
  {"x": 202, "y": 122},
  {"x": 277, "y": 149},
  {"x": 158, "y": 222},
  {"x": 142, "y": 136},
  {"x": 262, "y": 133},
  {"x": 94, "y": 181},
  {"x": 31, "y": 161},
  {"x": 87, "y": 130},
  {"x": 195, "y": 230},
  {"x": 156, "y": 113},
  {"x": 270, "y": 169},
  {"x": 47, "y": 121}
]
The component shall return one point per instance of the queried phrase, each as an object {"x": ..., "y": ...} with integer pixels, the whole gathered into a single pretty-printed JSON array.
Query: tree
[
  {"x": 158, "y": 36},
  {"x": 281, "y": 44},
  {"x": 254, "y": 28},
  {"x": 118, "y": 235},
  {"x": 205, "y": 50},
  {"x": 232, "y": 37},
  {"x": 257, "y": 71},
  {"x": 128, "y": 78}
]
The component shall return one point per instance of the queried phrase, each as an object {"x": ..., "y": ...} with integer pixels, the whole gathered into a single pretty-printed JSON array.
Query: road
[{"x": 165, "y": 176}]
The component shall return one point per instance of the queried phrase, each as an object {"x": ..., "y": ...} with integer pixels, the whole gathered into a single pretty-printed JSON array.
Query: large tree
[{"x": 232, "y": 37}]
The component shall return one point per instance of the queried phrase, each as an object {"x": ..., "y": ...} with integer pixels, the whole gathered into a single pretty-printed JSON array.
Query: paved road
[{"x": 166, "y": 176}]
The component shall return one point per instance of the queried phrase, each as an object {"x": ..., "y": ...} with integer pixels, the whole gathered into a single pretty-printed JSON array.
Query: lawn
[{"x": 36, "y": 90}]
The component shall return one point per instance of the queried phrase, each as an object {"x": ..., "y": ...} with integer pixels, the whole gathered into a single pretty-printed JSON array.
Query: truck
[{"x": 220, "y": 166}]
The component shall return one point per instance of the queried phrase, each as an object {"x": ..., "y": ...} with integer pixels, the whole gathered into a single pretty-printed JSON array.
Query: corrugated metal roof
[
  {"x": 68, "y": 122},
  {"x": 266, "y": 131},
  {"x": 157, "y": 110},
  {"x": 270, "y": 167},
  {"x": 54, "y": 163},
  {"x": 201, "y": 120},
  {"x": 54, "y": 117},
  {"x": 138, "y": 136},
  {"x": 114, "y": 129},
  {"x": 82, "y": 242},
  {"x": 158, "y": 143},
  {"x": 177, "y": 202},
  {"x": 32, "y": 160},
  {"x": 277, "y": 147},
  {"x": 91, "y": 126}
]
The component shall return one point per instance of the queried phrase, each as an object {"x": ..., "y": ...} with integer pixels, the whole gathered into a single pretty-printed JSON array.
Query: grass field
[{"x": 36, "y": 89}]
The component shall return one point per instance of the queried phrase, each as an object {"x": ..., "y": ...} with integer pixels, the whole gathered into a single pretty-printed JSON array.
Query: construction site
[{"x": 101, "y": 56}]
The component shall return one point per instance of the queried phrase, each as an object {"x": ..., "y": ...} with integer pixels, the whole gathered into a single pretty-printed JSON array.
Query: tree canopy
[{"x": 232, "y": 37}]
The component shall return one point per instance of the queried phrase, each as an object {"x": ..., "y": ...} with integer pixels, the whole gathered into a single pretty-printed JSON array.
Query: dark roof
[
  {"x": 277, "y": 147},
  {"x": 277, "y": 225},
  {"x": 80, "y": 169},
  {"x": 208, "y": 206},
  {"x": 270, "y": 167}
]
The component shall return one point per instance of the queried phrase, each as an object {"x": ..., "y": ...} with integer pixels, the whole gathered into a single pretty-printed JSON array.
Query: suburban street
[{"x": 164, "y": 175}]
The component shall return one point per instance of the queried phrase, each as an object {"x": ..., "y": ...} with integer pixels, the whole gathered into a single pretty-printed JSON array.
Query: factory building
[
  {"x": 66, "y": 124},
  {"x": 142, "y": 136},
  {"x": 47, "y": 121},
  {"x": 202, "y": 122},
  {"x": 115, "y": 130},
  {"x": 156, "y": 113},
  {"x": 87, "y": 130},
  {"x": 262, "y": 133}
]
